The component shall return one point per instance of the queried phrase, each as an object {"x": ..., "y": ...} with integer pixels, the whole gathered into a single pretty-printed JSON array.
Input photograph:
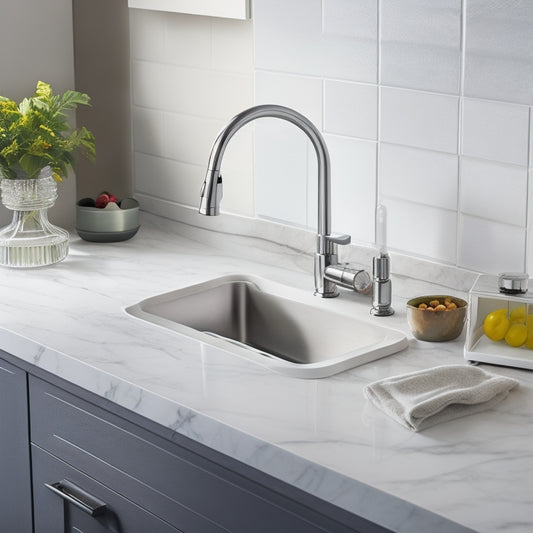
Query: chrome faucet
[{"x": 328, "y": 271}]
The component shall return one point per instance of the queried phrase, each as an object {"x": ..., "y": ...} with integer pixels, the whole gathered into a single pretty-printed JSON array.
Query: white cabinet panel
[{"x": 234, "y": 9}]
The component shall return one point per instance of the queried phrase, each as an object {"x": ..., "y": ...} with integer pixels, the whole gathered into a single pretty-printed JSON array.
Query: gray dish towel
[{"x": 424, "y": 398}]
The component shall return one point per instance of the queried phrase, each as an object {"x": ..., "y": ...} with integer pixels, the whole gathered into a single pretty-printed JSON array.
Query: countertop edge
[{"x": 347, "y": 493}]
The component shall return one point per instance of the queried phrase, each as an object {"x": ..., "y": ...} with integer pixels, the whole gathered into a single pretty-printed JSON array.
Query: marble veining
[{"x": 321, "y": 435}]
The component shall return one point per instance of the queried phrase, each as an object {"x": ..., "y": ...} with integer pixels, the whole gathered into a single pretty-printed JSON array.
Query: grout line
[
  {"x": 460, "y": 108},
  {"x": 378, "y": 113},
  {"x": 527, "y": 235}
]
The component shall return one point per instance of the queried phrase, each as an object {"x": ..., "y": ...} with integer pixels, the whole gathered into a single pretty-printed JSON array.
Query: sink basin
[{"x": 270, "y": 324}]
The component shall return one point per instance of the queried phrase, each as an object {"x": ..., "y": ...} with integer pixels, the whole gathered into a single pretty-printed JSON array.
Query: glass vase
[{"x": 31, "y": 240}]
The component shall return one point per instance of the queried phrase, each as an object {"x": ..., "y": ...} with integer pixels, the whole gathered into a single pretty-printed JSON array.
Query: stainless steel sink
[{"x": 270, "y": 324}]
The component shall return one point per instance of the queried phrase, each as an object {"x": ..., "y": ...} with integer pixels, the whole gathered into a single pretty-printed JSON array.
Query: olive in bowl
[{"x": 436, "y": 318}]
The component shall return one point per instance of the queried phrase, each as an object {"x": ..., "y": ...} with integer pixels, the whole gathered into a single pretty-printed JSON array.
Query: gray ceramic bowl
[
  {"x": 108, "y": 225},
  {"x": 436, "y": 326}
]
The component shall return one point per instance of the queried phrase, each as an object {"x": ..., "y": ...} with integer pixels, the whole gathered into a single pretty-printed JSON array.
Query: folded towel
[{"x": 424, "y": 398}]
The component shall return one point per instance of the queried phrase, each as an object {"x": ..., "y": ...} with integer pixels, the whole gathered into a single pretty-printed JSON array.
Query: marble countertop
[{"x": 320, "y": 435}]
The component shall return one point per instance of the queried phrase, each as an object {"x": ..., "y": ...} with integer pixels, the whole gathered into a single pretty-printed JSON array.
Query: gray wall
[
  {"x": 36, "y": 44},
  {"x": 101, "y": 51}
]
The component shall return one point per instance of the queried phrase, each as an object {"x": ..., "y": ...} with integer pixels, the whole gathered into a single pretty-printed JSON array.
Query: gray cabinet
[
  {"x": 96, "y": 467},
  {"x": 15, "y": 487},
  {"x": 82, "y": 504},
  {"x": 183, "y": 488}
]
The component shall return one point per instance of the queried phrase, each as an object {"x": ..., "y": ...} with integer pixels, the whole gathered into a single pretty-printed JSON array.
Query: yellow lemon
[
  {"x": 518, "y": 314},
  {"x": 516, "y": 335},
  {"x": 496, "y": 325},
  {"x": 529, "y": 326}
]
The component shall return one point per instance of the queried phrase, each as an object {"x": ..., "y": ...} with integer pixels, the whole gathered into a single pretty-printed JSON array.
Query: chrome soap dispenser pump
[{"x": 381, "y": 283}]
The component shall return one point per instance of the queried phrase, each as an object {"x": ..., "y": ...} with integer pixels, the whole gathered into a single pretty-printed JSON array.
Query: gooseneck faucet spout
[{"x": 326, "y": 252}]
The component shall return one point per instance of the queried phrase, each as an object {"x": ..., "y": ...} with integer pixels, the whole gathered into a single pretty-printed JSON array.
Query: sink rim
[{"x": 392, "y": 341}]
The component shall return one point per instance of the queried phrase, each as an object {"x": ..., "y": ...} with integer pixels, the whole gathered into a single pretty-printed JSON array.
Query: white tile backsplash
[
  {"x": 190, "y": 75},
  {"x": 280, "y": 171},
  {"x": 421, "y": 176},
  {"x": 302, "y": 93},
  {"x": 231, "y": 50},
  {"x": 499, "y": 50},
  {"x": 168, "y": 179},
  {"x": 350, "y": 18},
  {"x": 148, "y": 35},
  {"x": 149, "y": 131},
  {"x": 351, "y": 109},
  {"x": 494, "y": 191},
  {"x": 297, "y": 37},
  {"x": 421, "y": 230},
  {"x": 424, "y": 50},
  {"x": 353, "y": 187},
  {"x": 424, "y": 106},
  {"x": 496, "y": 131},
  {"x": 485, "y": 242},
  {"x": 188, "y": 41},
  {"x": 529, "y": 242},
  {"x": 420, "y": 119}
]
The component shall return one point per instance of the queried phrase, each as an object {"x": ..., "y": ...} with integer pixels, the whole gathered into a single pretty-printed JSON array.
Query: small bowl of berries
[{"x": 107, "y": 219}]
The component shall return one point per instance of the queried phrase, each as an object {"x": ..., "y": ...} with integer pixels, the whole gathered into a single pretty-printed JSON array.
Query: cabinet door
[
  {"x": 84, "y": 505},
  {"x": 15, "y": 487}
]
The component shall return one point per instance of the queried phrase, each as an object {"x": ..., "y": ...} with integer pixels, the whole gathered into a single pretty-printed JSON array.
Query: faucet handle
[
  {"x": 338, "y": 238},
  {"x": 327, "y": 244}
]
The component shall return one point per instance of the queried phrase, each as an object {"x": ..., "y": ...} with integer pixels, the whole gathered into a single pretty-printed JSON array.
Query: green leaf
[
  {"x": 43, "y": 90},
  {"x": 32, "y": 164},
  {"x": 71, "y": 99}
]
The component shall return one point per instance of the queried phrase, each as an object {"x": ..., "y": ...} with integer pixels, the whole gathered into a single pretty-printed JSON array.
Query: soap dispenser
[{"x": 381, "y": 283}]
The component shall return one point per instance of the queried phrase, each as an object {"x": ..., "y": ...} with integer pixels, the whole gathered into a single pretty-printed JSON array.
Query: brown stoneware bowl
[{"x": 436, "y": 325}]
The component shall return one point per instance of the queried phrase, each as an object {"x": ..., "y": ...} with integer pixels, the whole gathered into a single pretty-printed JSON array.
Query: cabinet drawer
[
  {"x": 53, "y": 513},
  {"x": 15, "y": 485},
  {"x": 182, "y": 487}
]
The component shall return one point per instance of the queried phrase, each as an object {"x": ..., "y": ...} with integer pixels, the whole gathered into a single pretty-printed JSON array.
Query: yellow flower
[
  {"x": 48, "y": 130},
  {"x": 11, "y": 149}
]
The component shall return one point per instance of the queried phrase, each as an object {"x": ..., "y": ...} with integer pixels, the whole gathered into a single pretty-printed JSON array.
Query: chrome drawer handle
[{"x": 78, "y": 497}]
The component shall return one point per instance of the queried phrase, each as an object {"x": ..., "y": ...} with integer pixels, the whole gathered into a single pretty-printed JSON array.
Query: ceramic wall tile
[
  {"x": 167, "y": 179},
  {"x": 147, "y": 35},
  {"x": 188, "y": 40},
  {"x": 190, "y": 75},
  {"x": 349, "y": 39},
  {"x": 149, "y": 135},
  {"x": 420, "y": 119},
  {"x": 238, "y": 174},
  {"x": 530, "y": 152},
  {"x": 297, "y": 26},
  {"x": 499, "y": 50},
  {"x": 231, "y": 50},
  {"x": 280, "y": 171},
  {"x": 529, "y": 242},
  {"x": 351, "y": 109},
  {"x": 151, "y": 84},
  {"x": 494, "y": 191},
  {"x": 492, "y": 247},
  {"x": 422, "y": 176},
  {"x": 339, "y": 43},
  {"x": 421, "y": 44},
  {"x": 190, "y": 138},
  {"x": 302, "y": 93},
  {"x": 495, "y": 131},
  {"x": 421, "y": 230},
  {"x": 350, "y": 18},
  {"x": 353, "y": 187}
]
